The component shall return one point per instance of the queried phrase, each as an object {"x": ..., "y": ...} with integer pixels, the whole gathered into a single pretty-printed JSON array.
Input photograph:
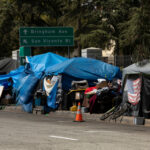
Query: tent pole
[{"x": 68, "y": 52}]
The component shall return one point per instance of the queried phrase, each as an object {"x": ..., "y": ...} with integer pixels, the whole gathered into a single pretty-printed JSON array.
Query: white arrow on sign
[
  {"x": 25, "y": 31},
  {"x": 25, "y": 41}
]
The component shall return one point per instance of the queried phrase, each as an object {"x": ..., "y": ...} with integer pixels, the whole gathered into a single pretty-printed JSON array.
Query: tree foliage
[
  {"x": 95, "y": 23},
  {"x": 135, "y": 31}
]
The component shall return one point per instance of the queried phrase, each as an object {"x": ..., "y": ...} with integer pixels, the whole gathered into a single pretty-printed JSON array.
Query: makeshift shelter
[
  {"x": 39, "y": 63},
  {"x": 136, "y": 88},
  {"x": 33, "y": 73},
  {"x": 77, "y": 69},
  {"x": 26, "y": 78},
  {"x": 83, "y": 69}
]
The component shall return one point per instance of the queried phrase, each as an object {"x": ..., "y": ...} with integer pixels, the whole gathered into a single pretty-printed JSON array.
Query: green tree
[
  {"x": 135, "y": 33},
  {"x": 84, "y": 16},
  {"x": 113, "y": 12},
  {"x": 6, "y": 26},
  {"x": 95, "y": 23},
  {"x": 17, "y": 13}
]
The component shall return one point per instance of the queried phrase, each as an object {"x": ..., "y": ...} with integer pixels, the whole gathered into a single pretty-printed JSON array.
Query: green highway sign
[
  {"x": 46, "y": 31},
  {"x": 46, "y": 36},
  {"x": 46, "y": 41}
]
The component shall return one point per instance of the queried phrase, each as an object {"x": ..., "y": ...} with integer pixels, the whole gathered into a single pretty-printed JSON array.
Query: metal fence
[
  {"x": 120, "y": 61},
  {"x": 16, "y": 63},
  {"x": 2, "y": 58}
]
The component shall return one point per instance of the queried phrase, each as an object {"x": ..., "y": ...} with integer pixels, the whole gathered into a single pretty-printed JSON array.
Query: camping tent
[
  {"x": 141, "y": 67},
  {"x": 130, "y": 75},
  {"x": 83, "y": 69}
]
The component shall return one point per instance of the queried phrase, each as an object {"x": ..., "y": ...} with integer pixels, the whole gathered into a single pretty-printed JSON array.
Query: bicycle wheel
[
  {"x": 107, "y": 114},
  {"x": 120, "y": 112}
]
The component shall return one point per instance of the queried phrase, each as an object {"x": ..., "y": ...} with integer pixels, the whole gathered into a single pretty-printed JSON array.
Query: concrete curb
[
  {"x": 128, "y": 120},
  {"x": 86, "y": 116},
  {"x": 12, "y": 109}
]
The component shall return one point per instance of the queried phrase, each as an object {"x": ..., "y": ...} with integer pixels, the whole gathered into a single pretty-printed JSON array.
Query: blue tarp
[
  {"x": 26, "y": 78},
  {"x": 15, "y": 75},
  {"x": 27, "y": 88},
  {"x": 24, "y": 90},
  {"x": 34, "y": 71},
  {"x": 51, "y": 99},
  {"x": 84, "y": 69},
  {"x": 39, "y": 63}
]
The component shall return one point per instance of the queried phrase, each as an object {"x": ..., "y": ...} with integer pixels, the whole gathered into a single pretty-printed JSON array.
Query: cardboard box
[{"x": 77, "y": 95}]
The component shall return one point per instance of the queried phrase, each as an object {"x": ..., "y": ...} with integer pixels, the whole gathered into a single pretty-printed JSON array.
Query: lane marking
[
  {"x": 61, "y": 137},
  {"x": 106, "y": 132},
  {"x": 63, "y": 121},
  {"x": 97, "y": 131},
  {"x": 60, "y": 121}
]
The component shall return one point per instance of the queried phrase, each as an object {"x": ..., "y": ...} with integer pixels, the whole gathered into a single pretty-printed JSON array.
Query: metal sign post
[{"x": 68, "y": 52}]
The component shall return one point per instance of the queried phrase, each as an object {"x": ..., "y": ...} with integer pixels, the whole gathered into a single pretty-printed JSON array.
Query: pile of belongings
[{"x": 100, "y": 98}]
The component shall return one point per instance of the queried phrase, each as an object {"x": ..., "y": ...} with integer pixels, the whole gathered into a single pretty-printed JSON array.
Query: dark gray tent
[
  {"x": 7, "y": 65},
  {"x": 131, "y": 73},
  {"x": 137, "y": 68}
]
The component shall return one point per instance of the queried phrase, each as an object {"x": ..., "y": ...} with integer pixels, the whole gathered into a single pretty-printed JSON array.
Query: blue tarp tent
[
  {"x": 34, "y": 71},
  {"x": 84, "y": 68},
  {"x": 26, "y": 78},
  {"x": 39, "y": 63}
]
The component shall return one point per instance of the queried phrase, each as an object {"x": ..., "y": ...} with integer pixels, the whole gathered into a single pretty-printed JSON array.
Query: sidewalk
[{"x": 86, "y": 116}]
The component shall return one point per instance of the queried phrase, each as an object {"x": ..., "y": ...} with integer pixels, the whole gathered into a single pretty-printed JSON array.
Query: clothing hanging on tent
[{"x": 134, "y": 96}]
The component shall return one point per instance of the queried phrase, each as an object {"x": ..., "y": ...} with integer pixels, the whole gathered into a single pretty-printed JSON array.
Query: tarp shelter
[
  {"x": 7, "y": 65},
  {"x": 39, "y": 63},
  {"x": 34, "y": 72},
  {"x": 79, "y": 68},
  {"x": 130, "y": 74},
  {"x": 26, "y": 79}
]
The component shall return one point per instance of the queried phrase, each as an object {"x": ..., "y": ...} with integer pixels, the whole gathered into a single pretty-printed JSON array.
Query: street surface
[{"x": 22, "y": 131}]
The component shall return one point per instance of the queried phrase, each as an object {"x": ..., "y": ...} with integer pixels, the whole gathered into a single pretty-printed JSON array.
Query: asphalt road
[{"x": 22, "y": 131}]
